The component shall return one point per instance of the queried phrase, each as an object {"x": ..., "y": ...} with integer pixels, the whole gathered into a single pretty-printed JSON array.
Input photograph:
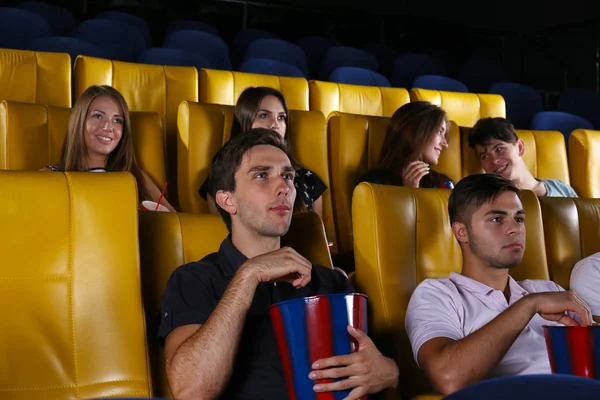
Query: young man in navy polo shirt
[{"x": 219, "y": 342}]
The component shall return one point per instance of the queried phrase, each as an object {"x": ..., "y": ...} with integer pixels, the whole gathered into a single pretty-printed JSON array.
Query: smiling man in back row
[
  {"x": 500, "y": 151},
  {"x": 482, "y": 323}
]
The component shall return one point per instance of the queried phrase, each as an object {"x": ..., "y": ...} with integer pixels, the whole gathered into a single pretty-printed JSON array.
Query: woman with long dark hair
[
  {"x": 264, "y": 107},
  {"x": 415, "y": 137}
]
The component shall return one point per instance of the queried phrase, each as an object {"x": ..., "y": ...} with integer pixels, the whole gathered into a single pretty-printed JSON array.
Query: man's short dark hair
[
  {"x": 492, "y": 128},
  {"x": 227, "y": 161},
  {"x": 472, "y": 192}
]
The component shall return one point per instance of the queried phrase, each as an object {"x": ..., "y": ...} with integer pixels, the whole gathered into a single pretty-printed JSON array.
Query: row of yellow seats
[
  {"x": 84, "y": 304},
  {"x": 345, "y": 146},
  {"x": 82, "y": 273},
  {"x": 339, "y": 150},
  {"x": 45, "y": 78},
  {"x": 32, "y": 136},
  {"x": 403, "y": 236}
]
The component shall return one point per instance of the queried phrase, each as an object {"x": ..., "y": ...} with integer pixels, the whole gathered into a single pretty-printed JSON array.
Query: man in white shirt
[
  {"x": 482, "y": 323},
  {"x": 585, "y": 281}
]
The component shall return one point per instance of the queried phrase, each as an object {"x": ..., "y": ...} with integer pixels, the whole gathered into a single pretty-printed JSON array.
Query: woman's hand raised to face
[{"x": 413, "y": 172}]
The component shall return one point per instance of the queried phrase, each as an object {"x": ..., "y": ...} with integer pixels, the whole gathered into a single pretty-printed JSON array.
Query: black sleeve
[
  {"x": 187, "y": 300},
  {"x": 329, "y": 281},
  {"x": 205, "y": 188},
  {"x": 343, "y": 284},
  {"x": 366, "y": 177},
  {"x": 377, "y": 176},
  {"x": 317, "y": 186}
]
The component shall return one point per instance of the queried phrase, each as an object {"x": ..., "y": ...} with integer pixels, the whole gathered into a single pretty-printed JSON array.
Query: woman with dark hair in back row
[
  {"x": 414, "y": 140},
  {"x": 264, "y": 107}
]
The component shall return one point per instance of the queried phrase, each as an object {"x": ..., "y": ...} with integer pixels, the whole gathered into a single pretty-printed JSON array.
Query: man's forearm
[
  {"x": 201, "y": 367},
  {"x": 472, "y": 358}
]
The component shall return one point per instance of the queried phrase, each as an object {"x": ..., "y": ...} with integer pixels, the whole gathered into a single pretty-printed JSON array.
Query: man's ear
[
  {"x": 460, "y": 232},
  {"x": 225, "y": 200},
  {"x": 476, "y": 153},
  {"x": 521, "y": 147}
]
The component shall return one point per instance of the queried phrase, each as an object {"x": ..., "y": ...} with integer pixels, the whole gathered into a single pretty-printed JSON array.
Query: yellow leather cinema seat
[
  {"x": 545, "y": 154},
  {"x": 204, "y": 128},
  {"x": 403, "y": 236},
  {"x": 149, "y": 146},
  {"x": 311, "y": 149},
  {"x": 572, "y": 232},
  {"x": 146, "y": 88},
  {"x": 355, "y": 142},
  {"x": 168, "y": 240},
  {"x": 225, "y": 87},
  {"x": 35, "y": 77},
  {"x": 584, "y": 162},
  {"x": 355, "y": 99},
  {"x": 70, "y": 276},
  {"x": 463, "y": 108},
  {"x": 32, "y": 136}
]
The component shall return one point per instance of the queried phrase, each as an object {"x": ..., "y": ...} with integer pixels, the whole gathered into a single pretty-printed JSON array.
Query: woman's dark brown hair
[
  {"x": 248, "y": 105},
  {"x": 122, "y": 158},
  {"x": 245, "y": 113},
  {"x": 410, "y": 129}
]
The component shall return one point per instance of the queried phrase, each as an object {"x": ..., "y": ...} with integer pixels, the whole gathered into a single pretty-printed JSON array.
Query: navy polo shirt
[{"x": 192, "y": 293}]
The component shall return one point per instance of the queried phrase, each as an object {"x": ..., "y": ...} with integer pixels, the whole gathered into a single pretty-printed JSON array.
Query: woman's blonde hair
[{"x": 121, "y": 159}]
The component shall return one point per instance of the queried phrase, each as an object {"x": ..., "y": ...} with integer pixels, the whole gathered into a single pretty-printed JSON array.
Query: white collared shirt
[
  {"x": 458, "y": 306},
  {"x": 585, "y": 281}
]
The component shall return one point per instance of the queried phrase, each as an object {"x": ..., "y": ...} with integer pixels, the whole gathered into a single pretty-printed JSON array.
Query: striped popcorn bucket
[
  {"x": 314, "y": 328},
  {"x": 574, "y": 350},
  {"x": 445, "y": 185}
]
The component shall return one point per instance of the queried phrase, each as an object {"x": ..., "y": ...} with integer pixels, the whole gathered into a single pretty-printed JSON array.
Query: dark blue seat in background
[
  {"x": 582, "y": 102},
  {"x": 164, "y": 56},
  {"x": 19, "y": 28},
  {"x": 522, "y": 102},
  {"x": 270, "y": 67},
  {"x": 480, "y": 74},
  {"x": 59, "y": 18},
  {"x": 528, "y": 387},
  {"x": 559, "y": 121},
  {"x": 201, "y": 44},
  {"x": 279, "y": 50},
  {"x": 343, "y": 56},
  {"x": 71, "y": 45},
  {"x": 386, "y": 56},
  {"x": 448, "y": 59},
  {"x": 438, "y": 82},
  {"x": 408, "y": 66},
  {"x": 129, "y": 19},
  {"x": 241, "y": 41},
  {"x": 182, "y": 25},
  {"x": 358, "y": 76},
  {"x": 314, "y": 48},
  {"x": 122, "y": 42}
]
